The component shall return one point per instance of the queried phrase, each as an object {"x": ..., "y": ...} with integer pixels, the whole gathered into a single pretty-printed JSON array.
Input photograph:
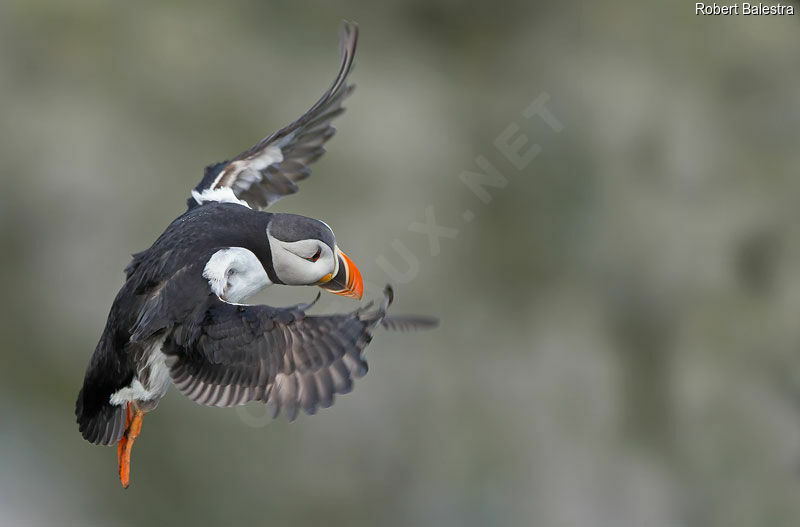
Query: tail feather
[
  {"x": 99, "y": 421},
  {"x": 101, "y": 425}
]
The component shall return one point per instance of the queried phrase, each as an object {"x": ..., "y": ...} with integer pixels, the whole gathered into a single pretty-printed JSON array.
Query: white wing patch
[
  {"x": 271, "y": 154},
  {"x": 220, "y": 195}
]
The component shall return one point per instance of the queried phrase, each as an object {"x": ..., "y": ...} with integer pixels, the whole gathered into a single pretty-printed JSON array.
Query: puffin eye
[{"x": 315, "y": 256}]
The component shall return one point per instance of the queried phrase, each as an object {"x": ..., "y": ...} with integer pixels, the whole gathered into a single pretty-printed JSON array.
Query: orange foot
[
  {"x": 133, "y": 425},
  {"x": 124, "y": 440}
]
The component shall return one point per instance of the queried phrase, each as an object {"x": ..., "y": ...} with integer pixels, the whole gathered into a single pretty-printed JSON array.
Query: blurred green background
[{"x": 619, "y": 331}]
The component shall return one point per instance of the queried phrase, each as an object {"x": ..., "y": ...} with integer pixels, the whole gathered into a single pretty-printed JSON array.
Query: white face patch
[
  {"x": 235, "y": 274},
  {"x": 304, "y": 262}
]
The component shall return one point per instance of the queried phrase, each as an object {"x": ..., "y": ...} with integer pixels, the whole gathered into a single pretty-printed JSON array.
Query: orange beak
[{"x": 348, "y": 281}]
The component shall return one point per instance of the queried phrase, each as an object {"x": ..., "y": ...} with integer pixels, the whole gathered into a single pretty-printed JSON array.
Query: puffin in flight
[{"x": 180, "y": 318}]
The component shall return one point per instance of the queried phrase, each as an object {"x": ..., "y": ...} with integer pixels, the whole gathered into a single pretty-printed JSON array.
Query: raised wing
[
  {"x": 279, "y": 356},
  {"x": 271, "y": 169}
]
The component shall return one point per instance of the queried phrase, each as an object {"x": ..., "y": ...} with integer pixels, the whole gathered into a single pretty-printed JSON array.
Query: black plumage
[
  {"x": 165, "y": 281},
  {"x": 279, "y": 356},
  {"x": 219, "y": 353},
  {"x": 168, "y": 324}
]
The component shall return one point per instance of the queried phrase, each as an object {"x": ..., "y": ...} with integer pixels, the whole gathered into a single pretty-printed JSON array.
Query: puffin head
[{"x": 304, "y": 252}]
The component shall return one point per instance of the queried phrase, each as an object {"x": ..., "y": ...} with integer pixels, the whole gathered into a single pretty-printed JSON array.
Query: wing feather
[
  {"x": 270, "y": 169},
  {"x": 290, "y": 361}
]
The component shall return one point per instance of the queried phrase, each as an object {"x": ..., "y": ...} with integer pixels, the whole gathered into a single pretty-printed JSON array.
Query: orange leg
[
  {"x": 124, "y": 440},
  {"x": 134, "y": 426}
]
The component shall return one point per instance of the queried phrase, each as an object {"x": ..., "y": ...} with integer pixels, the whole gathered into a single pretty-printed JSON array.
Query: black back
[{"x": 185, "y": 247}]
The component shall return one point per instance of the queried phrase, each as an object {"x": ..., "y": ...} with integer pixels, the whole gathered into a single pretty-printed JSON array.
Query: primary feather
[{"x": 271, "y": 168}]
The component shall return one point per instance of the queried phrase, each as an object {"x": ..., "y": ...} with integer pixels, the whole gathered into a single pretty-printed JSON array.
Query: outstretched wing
[
  {"x": 278, "y": 356},
  {"x": 271, "y": 169}
]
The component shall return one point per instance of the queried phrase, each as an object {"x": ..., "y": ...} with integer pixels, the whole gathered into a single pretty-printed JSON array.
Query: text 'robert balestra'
[{"x": 743, "y": 9}]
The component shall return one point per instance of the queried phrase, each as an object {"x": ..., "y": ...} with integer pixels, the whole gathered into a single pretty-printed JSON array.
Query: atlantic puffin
[{"x": 180, "y": 318}]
